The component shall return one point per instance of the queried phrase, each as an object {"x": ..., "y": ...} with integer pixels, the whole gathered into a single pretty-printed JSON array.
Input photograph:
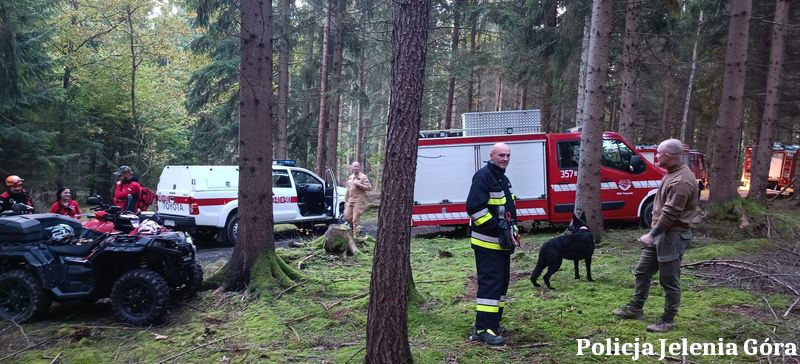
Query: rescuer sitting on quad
[{"x": 124, "y": 188}]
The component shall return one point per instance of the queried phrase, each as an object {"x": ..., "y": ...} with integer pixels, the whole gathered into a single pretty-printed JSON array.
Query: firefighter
[
  {"x": 674, "y": 208},
  {"x": 15, "y": 194},
  {"x": 356, "y": 197},
  {"x": 126, "y": 191},
  {"x": 493, "y": 235}
]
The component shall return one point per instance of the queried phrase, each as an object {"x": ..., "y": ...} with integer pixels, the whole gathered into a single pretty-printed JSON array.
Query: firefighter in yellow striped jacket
[{"x": 490, "y": 205}]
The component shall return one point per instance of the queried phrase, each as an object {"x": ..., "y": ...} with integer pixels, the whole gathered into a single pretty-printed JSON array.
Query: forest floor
[{"x": 323, "y": 319}]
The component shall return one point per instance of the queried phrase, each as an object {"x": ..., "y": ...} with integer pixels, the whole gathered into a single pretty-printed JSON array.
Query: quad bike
[{"x": 43, "y": 259}]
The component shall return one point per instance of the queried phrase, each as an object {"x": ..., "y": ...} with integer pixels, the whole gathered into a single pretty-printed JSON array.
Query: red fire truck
[
  {"x": 543, "y": 173},
  {"x": 782, "y": 167},
  {"x": 691, "y": 157}
]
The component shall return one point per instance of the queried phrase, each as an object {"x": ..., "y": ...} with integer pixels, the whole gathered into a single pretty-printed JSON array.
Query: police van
[{"x": 203, "y": 199}]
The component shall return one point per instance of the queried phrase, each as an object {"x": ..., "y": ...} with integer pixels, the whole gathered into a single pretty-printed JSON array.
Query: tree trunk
[
  {"x": 587, "y": 198},
  {"x": 134, "y": 66},
  {"x": 729, "y": 122},
  {"x": 255, "y": 235},
  {"x": 630, "y": 64},
  {"x": 473, "y": 34},
  {"x": 308, "y": 88},
  {"x": 387, "y": 327},
  {"x": 323, "y": 92},
  {"x": 362, "y": 96},
  {"x": 451, "y": 84},
  {"x": 762, "y": 154},
  {"x": 550, "y": 18},
  {"x": 690, "y": 86},
  {"x": 498, "y": 92},
  {"x": 583, "y": 71},
  {"x": 331, "y": 160},
  {"x": 666, "y": 105},
  {"x": 281, "y": 150}
]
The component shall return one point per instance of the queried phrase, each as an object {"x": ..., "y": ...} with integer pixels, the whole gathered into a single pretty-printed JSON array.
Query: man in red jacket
[{"x": 124, "y": 188}]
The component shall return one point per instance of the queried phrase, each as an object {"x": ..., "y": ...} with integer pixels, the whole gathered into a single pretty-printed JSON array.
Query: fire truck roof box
[{"x": 501, "y": 122}]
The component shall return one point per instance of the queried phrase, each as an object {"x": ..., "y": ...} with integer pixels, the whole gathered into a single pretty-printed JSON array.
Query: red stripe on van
[{"x": 211, "y": 201}]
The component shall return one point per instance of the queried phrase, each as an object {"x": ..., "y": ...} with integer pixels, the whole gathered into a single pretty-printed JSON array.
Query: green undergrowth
[{"x": 323, "y": 318}]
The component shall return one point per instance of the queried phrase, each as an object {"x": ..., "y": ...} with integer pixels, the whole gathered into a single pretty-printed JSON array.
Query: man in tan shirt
[
  {"x": 356, "y": 197},
  {"x": 674, "y": 208}
]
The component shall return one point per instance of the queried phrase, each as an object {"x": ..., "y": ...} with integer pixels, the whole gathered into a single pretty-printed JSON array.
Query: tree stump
[{"x": 339, "y": 239}]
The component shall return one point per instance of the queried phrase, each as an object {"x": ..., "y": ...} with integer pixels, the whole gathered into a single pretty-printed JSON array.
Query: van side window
[
  {"x": 616, "y": 155},
  {"x": 303, "y": 177},
  {"x": 280, "y": 179},
  {"x": 569, "y": 153}
]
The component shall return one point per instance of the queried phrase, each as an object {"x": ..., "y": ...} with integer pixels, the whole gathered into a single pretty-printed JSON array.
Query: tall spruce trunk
[
  {"x": 550, "y": 18},
  {"x": 762, "y": 153},
  {"x": 322, "y": 126},
  {"x": 255, "y": 234},
  {"x": 308, "y": 91},
  {"x": 666, "y": 105},
  {"x": 630, "y": 64},
  {"x": 690, "y": 84},
  {"x": 387, "y": 326},
  {"x": 451, "y": 83},
  {"x": 579, "y": 109},
  {"x": 362, "y": 100},
  {"x": 587, "y": 198},
  {"x": 729, "y": 121},
  {"x": 281, "y": 150},
  {"x": 331, "y": 159},
  {"x": 473, "y": 77}
]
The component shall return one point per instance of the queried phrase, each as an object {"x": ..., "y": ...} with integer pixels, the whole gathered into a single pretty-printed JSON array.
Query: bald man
[
  {"x": 674, "y": 208},
  {"x": 490, "y": 205},
  {"x": 356, "y": 197}
]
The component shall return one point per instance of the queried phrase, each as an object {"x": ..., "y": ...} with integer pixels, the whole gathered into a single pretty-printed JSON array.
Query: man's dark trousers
[{"x": 493, "y": 276}]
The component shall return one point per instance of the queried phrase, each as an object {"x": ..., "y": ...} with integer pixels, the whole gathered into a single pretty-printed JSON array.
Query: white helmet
[
  {"x": 149, "y": 227},
  {"x": 60, "y": 233}
]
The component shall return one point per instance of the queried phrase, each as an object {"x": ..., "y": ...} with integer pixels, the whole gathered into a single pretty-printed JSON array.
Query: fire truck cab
[
  {"x": 543, "y": 171},
  {"x": 691, "y": 157}
]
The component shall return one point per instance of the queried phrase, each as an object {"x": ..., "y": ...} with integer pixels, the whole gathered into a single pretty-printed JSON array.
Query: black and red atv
[{"x": 43, "y": 258}]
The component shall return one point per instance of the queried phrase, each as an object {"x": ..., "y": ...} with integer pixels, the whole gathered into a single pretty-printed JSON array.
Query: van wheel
[
  {"x": 232, "y": 230},
  {"x": 646, "y": 218}
]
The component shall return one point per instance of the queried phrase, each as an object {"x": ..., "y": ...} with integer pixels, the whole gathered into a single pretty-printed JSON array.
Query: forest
[
  {"x": 88, "y": 86},
  {"x": 91, "y": 85}
]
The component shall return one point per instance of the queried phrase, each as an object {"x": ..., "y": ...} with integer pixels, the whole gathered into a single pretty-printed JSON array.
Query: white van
[{"x": 203, "y": 200}]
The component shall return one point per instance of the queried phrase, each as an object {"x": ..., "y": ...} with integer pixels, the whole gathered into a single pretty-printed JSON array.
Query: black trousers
[{"x": 494, "y": 271}]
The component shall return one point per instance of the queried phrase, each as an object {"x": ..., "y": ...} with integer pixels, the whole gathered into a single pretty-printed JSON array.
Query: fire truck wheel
[
  {"x": 647, "y": 213},
  {"x": 232, "y": 229}
]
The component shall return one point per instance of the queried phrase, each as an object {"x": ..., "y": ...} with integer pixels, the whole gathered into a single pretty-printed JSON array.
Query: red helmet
[{"x": 14, "y": 181}]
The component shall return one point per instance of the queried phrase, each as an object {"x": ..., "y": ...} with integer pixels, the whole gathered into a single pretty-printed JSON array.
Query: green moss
[{"x": 325, "y": 318}]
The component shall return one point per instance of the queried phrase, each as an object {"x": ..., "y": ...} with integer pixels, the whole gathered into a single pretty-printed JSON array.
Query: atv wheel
[
  {"x": 194, "y": 281},
  {"x": 140, "y": 297},
  {"x": 21, "y": 297}
]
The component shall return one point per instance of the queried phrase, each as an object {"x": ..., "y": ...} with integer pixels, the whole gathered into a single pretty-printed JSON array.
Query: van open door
[{"x": 331, "y": 195}]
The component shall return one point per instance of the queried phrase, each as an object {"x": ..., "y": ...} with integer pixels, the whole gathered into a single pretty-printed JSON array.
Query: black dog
[{"x": 576, "y": 244}]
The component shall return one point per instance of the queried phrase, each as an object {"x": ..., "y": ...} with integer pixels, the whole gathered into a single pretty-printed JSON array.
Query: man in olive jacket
[{"x": 674, "y": 208}]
